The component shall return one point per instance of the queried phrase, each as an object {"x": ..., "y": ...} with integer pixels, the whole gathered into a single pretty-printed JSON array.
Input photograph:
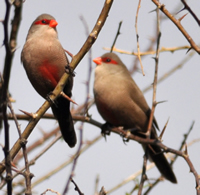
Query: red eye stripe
[
  {"x": 109, "y": 60},
  {"x": 43, "y": 22}
]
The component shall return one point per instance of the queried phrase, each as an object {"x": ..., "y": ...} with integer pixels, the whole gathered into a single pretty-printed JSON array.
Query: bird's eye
[
  {"x": 108, "y": 60},
  {"x": 44, "y": 21}
]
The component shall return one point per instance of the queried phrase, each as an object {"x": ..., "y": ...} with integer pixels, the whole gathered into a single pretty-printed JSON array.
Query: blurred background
[{"x": 111, "y": 159}]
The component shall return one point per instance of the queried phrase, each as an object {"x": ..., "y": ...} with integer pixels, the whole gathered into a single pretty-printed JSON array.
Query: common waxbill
[
  {"x": 121, "y": 103},
  {"x": 44, "y": 60}
]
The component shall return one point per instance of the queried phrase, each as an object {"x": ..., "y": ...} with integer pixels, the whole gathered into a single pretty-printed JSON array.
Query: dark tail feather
[
  {"x": 62, "y": 113},
  {"x": 160, "y": 160},
  {"x": 161, "y": 163},
  {"x": 157, "y": 156}
]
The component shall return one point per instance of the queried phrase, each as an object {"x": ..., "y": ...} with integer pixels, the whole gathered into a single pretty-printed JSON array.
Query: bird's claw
[
  {"x": 125, "y": 140},
  {"x": 69, "y": 70},
  {"x": 50, "y": 100}
]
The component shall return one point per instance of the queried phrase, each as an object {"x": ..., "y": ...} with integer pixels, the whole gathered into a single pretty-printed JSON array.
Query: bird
[
  {"x": 45, "y": 62},
  {"x": 121, "y": 103}
]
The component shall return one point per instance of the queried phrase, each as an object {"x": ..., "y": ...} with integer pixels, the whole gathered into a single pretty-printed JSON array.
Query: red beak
[
  {"x": 97, "y": 61},
  {"x": 53, "y": 23}
]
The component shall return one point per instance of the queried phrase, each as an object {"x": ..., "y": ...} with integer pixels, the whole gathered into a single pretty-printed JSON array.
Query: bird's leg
[{"x": 69, "y": 70}]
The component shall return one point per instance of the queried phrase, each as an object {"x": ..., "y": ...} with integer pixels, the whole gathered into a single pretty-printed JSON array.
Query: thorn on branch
[
  {"x": 155, "y": 103},
  {"x": 32, "y": 115},
  {"x": 154, "y": 58},
  {"x": 154, "y": 10},
  {"x": 12, "y": 163},
  {"x": 160, "y": 102},
  {"x": 163, "y": 131},
  {"x": 31, "y": 175},
  {"x": 69, "y": 53},
  {"x": 67, "y": 97},
  {"x": 182, "y": 17},
  {"x": 180, "y": 10},
  {"x": 188, "y": 50}
]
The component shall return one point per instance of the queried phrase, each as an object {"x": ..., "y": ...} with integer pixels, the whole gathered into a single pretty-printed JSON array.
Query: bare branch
[{"x": 178, "y": 25}]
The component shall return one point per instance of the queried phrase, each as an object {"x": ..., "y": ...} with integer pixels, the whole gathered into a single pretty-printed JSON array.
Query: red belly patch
[{"x": 50, "y": 73}]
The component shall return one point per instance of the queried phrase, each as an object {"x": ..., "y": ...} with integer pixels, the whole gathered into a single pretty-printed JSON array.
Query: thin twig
[
  {"x": 115, "y": 40},
  {"x": 76, "y": 187},
  {"x": 155, "y": 77},
  {"x": 137, "y": 36},
  {"x": 143, "y": 177},
  {"x": 149, "y": 52},
  {"x": 96, "y": 185},
  {"x": 28, "y": 176}
]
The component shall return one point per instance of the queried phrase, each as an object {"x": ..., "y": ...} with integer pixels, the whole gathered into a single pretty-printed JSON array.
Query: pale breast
[{"x": 44, "y": 62}]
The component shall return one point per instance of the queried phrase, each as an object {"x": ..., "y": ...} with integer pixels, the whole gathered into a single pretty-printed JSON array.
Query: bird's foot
[
  {"x": 106, "y": 129},
  {"x": 130, "y": 131},
  {"x": 69, "y": 70},
  {"x": 50, "y": 100}
]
